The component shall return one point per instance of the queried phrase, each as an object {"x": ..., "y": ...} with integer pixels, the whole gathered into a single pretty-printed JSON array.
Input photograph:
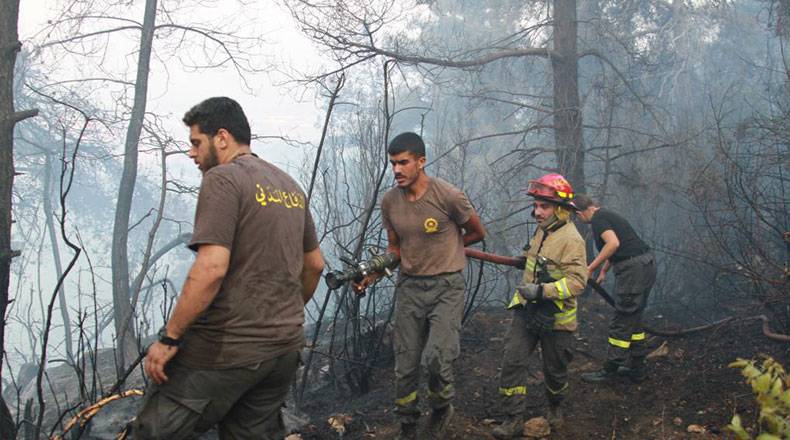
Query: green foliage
[{"x": 771, "y": 386}]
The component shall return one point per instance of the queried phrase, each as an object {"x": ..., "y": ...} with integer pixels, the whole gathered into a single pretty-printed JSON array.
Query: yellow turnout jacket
[{"x": 567, "y": 264}]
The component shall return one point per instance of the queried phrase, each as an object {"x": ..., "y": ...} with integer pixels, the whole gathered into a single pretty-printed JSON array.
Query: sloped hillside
[{"x": 691, "y": 393}]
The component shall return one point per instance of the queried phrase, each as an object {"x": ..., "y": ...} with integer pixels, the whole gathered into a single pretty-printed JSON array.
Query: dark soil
[{"x": 690, "y": 385}]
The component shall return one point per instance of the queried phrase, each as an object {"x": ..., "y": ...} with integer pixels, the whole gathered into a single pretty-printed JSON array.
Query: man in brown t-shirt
[
  {"x": 231, "y": 346},
  {"x": 428, "y": 223}
]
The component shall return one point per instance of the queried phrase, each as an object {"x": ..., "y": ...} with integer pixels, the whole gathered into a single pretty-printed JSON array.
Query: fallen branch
[
  {"x": 684, "y": 332},
  {"x": 766, "y": 328},
  {"x": 115, "y": 388},
  {"x": 84, "y": 416}
]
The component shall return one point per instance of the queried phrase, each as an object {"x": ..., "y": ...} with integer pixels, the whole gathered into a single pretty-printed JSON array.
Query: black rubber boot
[
  {"x": 607, "y": 373},
  {"x": 440, "y": 421},
  {"x": 555, "y": 416},
  {"x": 635, "y": 370},
  {"x": 408, "y": 431},
  {"x": 637, "y": 375},
  {"x": 512, "y": 427}
]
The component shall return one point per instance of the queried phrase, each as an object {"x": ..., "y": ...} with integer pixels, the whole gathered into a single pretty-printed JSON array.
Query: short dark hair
[
  {"x": 220, "y": 112},
  {"x": 583, "y": 201},
  {"x": 408, "y": 141}
]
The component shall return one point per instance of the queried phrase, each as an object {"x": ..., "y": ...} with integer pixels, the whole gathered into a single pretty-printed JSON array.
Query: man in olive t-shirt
[
  {"x": 231, "y": 346},
  {"x": 428, "y": 223}
]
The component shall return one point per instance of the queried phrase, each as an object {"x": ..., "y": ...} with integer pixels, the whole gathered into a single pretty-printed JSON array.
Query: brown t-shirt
[
  {"x": 429, "y": 229},
  {"x": 258, "y": 212}
]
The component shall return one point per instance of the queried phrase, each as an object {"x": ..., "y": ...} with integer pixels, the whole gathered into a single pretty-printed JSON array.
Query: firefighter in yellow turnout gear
[{"x": 544, "y": 305}]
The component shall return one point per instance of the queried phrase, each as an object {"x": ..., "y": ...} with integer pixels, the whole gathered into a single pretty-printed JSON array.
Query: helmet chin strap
[{"x": 552, "y": 223}]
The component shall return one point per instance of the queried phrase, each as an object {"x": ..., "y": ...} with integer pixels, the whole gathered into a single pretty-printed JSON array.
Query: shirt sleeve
[
  {"x": 385, "y": 209},
  {"x": 600, "y": 224},
  {"x": 461, "y": 209},
  {"x": 217, "y": 212},
  {"x": 310, "y": 239},
  {"x": 574, "y": 268}
]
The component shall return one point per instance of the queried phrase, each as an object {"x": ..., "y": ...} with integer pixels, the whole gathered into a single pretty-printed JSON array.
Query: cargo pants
[
  {"x": 245, "y": 402},
  {"x": 634, "y": 278},
  {"x": 428, "y": 312},
  {"x": 556, "y": 348}
]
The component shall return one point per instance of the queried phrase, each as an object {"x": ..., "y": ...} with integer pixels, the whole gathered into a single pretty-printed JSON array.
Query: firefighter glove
[{"x": 530, "y": 291}]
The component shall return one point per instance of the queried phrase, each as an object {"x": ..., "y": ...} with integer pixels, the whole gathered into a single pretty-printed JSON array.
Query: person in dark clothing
[{"x": 621, "y": 249}]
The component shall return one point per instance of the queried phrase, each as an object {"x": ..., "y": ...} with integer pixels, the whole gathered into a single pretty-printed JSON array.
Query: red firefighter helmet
[{"x": 552, "y": 188}]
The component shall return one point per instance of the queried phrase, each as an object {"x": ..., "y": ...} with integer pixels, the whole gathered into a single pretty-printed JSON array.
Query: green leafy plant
[{"x": 771, "y": 386}]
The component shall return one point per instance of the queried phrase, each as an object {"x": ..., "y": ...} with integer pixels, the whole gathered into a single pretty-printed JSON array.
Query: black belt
[
  {"x": 631, "y": 257},
  {"x": 443, "y": 274}
]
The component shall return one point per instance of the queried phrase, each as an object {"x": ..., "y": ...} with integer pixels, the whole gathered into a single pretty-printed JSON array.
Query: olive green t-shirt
[
  {"x": 429, "y": 229},
  {"x": 261, "y": 215}
]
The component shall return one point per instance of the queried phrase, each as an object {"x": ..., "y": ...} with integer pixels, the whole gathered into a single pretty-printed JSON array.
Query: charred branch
[
  {"x": 7, "y": 256},
  {"x": 22, "y": 115},
  {"x": 462, "y": 63},
  {"x": 766, "y": 328}
]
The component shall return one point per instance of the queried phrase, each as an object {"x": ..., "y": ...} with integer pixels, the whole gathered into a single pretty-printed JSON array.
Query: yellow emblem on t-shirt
[
  {"x": 274, "y": 195},
  {"x": 431, "y": 225}
]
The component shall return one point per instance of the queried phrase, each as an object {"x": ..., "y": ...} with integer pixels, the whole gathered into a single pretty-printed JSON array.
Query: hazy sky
[{"x": 273, "y": 110}]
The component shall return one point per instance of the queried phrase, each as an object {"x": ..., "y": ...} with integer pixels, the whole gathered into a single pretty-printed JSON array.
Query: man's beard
[{"x": 211, "y": 159}]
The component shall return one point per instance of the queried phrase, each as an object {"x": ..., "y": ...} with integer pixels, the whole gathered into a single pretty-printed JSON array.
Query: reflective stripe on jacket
[{"x": 567, "y": 264}]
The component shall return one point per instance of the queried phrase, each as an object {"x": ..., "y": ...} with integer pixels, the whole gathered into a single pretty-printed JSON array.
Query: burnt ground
[{"x": 689, "y": 385}]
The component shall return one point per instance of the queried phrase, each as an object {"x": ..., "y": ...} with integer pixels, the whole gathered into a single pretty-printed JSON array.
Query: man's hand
[
  {"x": 360, "y": 287},
  {"x": 530, "y": 291},
  {"x": 157, "y": 357},
  {"x": 601, "y": 277}
]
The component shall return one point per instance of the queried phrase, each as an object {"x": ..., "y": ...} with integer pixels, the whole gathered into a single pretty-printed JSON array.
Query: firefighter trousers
[
  {"x": 427, "y": 326},
  {"x": 556, "y": 348},
  {"x": 634, "y": 278}
]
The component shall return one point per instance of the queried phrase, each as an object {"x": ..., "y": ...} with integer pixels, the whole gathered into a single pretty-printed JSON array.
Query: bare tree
[
  {"x": 161, "y": 37},
  {"x": 9, "y": 46},
  {"x": 68, "y": 167},
  {"x": 357, "y": 32},
  {"x": 124, "y": 329}
]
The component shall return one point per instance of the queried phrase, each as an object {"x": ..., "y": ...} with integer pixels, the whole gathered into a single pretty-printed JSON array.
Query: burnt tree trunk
[
  {"x": 567, "y": 112},
  {"x": 122, "y": 308},
  {"x": 9, "y": 47}
]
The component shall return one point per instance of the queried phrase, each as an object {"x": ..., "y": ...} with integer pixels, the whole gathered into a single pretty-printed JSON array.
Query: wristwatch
[{"x": 167, "y": 340}]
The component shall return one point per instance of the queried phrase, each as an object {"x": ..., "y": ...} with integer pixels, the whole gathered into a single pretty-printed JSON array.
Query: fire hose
[{"x": 520, "y": 262}]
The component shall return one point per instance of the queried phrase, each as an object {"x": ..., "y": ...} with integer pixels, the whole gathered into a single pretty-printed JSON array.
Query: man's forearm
[
  {"x": 310, "y": 280},
  {"x": 392, "y": 249},
  {"x": 472, "y": 237},
  {"x": 199, "y": 291},
  {"x": 608, "y": 250},
  {"x": 474, "y": 231}
]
